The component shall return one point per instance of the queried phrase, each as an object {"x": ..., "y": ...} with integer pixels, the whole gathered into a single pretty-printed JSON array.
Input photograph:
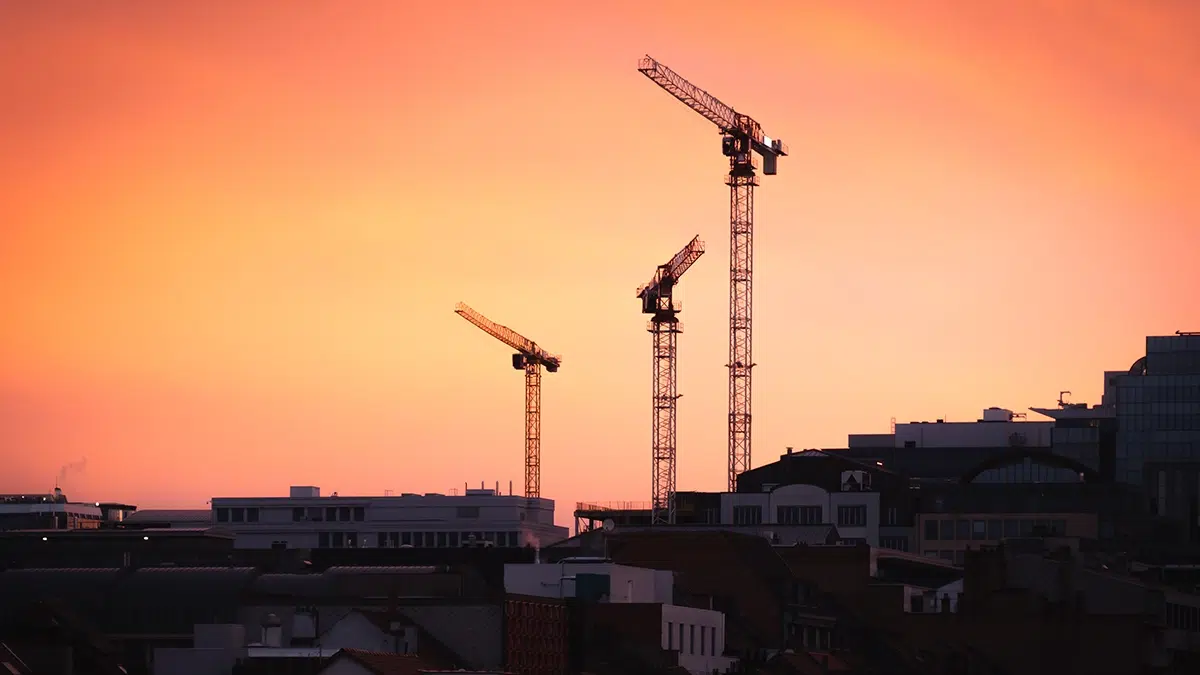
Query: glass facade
[
  {"x": 1028, "y": 471},
  {"x": 1158, "y": 412}
]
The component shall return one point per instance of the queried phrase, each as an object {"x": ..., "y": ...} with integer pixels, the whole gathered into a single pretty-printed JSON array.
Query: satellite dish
[{"x": 609, "y": 525}]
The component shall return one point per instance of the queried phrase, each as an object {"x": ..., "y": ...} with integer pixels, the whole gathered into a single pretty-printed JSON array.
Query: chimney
[{"x": 789, "y": 450}]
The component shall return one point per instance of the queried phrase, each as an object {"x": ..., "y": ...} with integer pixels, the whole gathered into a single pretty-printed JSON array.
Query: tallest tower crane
[{"x": 741, "y": 139}]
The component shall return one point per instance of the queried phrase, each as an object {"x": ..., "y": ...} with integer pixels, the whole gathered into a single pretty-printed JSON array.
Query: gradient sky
[{"x": 233, "y": 233}]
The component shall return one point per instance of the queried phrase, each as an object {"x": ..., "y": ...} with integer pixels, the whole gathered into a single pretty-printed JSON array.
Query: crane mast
[
  {"x": 530, "y": 358},
  {"x": 658, "y": 301},
  {"x": 742, "y": 139}
]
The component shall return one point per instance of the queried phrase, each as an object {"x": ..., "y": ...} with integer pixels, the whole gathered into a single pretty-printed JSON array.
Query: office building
[{"x": 305, "y": 519}]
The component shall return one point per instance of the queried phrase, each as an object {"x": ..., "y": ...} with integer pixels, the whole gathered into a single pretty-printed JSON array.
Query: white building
[
  {"x": 997, "y": 428},
  {"x": 854, "y": 512},
  {"x": 697, "y": 634},
  {"x": 305, "y": 519}
]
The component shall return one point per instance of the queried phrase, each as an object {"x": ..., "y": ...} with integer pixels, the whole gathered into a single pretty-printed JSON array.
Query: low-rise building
[{"x": 305, "y": 519}]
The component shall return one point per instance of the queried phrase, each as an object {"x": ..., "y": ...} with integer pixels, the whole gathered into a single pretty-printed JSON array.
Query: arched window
[{"x": 1028, "y": 470}]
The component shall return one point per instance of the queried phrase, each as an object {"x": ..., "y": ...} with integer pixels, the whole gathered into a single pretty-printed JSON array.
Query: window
[
  {"x": 331, "y": 514},
  {"x": 962, "y": 530},
  {"x": 893, "y": 515},
  {"x": 947, "y": 530},
  {"x": 712, "y": 637},
  {"x": 747, "y": 515},
  {"x": 670, "y": 635},
  {"x": 252, "y": 515},
  {"x": 344, "y": 514},
  {"x": 351, "y": 540},
  {"x": 237, "y": 515},
  {"x": 382, "y": 540},
  {"x": 338, "y": 540},
  {"x": 323, "y": 540},
  {"x": 1012, "y": 528},
  {"x": 441, "y": 539},
  {"x": 931, "y": 530},
  {"x": 222, "y": 515},
  {"x": 852, "y": 516},
  {"x": 278, "y": 545},
  {"x": 314, "y": 514},
  {"x": 960, "y": 558},
  {"x": 978, "y": 530},
  {"x": 703, "y": 635},
  {"x": 995, "y": 529},
  {"x": 406, "y": 539},
  {"x": 360, "y": 514},
  {"x": 798, "y": 515},
  {"x": 681, "y": 637},
  {"x": 297, "y": 514},
  {"x": 691, "y": 638},
  {"x": 467, "y": 511},
  {"x": 894, "y": 543}
]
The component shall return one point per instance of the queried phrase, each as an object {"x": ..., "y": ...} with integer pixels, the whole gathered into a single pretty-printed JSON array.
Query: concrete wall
[
  {"x": 972, "y": 434},
  {"x": 627, "y": 584},
  {"x": 700, "y": 627}
]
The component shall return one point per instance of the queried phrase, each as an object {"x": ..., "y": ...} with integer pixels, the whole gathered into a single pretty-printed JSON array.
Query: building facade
[
  {"x": 1158, "y": 421},
  {"x": 305, "y": 519}
]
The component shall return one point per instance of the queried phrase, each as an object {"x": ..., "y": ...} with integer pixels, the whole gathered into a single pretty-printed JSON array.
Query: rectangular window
[
  {"x": 406, "y": 539},
  {"x": 931, "y": 530},
  {"x": 298, "y": 514},
  {"x": 441, "y": 539},
  {"x": 252, "y": 515},
  {"x": 467, "y": 511},
  {"x": 360, "y": 514},
  {"x": 352, "y": 540},
  {"x": 852, "y": 516},
  {"x": 1012, "y": 528},
  {"x": 894, "y": 543},
  {"x": 314, "y": 514},
  {"x": 703, "y": 635},
  {"x": 691, "y": 638},
  {"x": 670, "y": 635},
  {"x": 947, "y": 530},
  {"x": 712, "y": 637},
  {"x": 222, "y": 515},
  {"x": 344, "y": 514},
  {"x": 978, "y": 530},
  {"x": 995, "y": 529},
  {"x": 681, "y": 638},
  {"x": 382, "y": 540},
  {"x": 747, "y": 515},
  {"x": 323, "y": 540},
  {"x": 798, "y": 515},
  {"x": 237, "y": 515},
  {"x": 962, "y": 530},
  {"x": 454, "y": 540},
  {"x": 893, "y": 515}
]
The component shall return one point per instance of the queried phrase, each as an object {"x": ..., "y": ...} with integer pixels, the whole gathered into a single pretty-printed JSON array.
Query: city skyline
[{"x": 237, "y": 233}]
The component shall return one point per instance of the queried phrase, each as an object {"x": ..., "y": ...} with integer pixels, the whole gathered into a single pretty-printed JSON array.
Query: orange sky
[{"x": 234, "y": 233}]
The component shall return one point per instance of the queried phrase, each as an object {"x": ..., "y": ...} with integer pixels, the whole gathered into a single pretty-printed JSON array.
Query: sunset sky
[{"x": 233, "y": 233}]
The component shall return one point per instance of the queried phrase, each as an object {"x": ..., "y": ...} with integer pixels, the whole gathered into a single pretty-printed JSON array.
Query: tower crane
[
  {"x": 530, "y": 358},
  {"x": 741, "y": 139},
  {"x": 658, "y": 301}
]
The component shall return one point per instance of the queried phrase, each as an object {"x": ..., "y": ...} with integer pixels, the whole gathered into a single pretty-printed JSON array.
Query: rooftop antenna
[{"x": 1062, "y": 403}]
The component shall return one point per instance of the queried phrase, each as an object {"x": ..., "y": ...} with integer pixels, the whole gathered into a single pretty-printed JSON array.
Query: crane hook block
[{"x": 518, "y": 361}]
